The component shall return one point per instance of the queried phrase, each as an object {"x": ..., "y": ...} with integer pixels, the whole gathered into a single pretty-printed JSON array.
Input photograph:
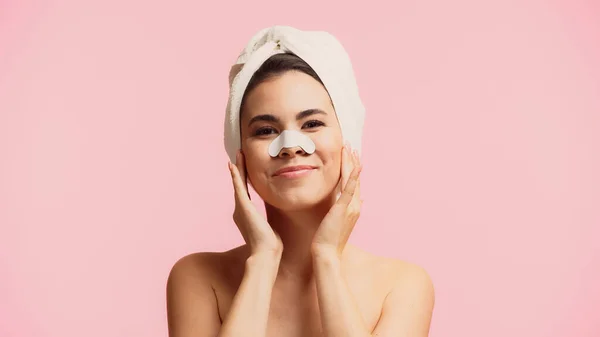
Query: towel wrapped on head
[{"x": 322, "y": 52}]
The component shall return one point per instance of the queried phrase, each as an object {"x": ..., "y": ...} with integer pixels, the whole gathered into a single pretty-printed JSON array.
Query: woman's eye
[
  {"x": 264, "y": 131},
  {"x": 313, "y": 124}
]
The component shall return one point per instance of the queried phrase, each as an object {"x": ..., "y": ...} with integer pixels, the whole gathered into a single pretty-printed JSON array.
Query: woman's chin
[
  {"x": 298, "y": 201},
  {"x": 295, "y": 204}
]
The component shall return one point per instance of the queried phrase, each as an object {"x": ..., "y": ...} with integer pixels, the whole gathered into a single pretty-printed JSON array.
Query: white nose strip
[{"x": 291, "y": 138}]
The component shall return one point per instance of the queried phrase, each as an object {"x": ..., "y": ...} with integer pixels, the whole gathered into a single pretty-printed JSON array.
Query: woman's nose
[{"x": 291, "y": 152}]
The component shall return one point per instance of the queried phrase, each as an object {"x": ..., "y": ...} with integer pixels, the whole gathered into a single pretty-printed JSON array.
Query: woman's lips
[
  {"x": 295, "y": 174},
  {"x": 294, "y": 171}
]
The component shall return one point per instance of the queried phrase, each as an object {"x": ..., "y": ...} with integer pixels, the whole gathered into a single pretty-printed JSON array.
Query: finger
[
  {"x": 234, "y": 179},
  {"x": 357, "y": 163},
  {"x": 347, "y": 166},
  {"x": 350, "y": 189},
  {"x": 238, "y": 185},
  {"x": 241, "y": 165},
  {"x": 355, "y": 158}
]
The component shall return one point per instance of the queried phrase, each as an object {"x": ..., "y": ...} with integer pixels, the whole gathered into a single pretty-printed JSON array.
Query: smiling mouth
[{"x": 294, "y": 171}]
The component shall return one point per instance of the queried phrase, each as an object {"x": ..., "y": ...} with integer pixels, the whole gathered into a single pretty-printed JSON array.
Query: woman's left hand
[{"x": 336, "y": 227}]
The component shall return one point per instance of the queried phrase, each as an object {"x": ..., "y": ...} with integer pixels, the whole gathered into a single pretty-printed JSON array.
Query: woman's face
[{"x": 276, "y": 105}]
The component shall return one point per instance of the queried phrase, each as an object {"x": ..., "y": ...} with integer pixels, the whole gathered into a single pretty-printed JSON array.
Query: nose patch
[{"x": 291, "y": 138}]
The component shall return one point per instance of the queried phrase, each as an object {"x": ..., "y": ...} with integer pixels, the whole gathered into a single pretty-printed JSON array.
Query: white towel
[{"x": 323, "y": 52}]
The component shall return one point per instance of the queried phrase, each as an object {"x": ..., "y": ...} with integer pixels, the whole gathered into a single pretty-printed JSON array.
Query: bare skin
[
  {"x": 296, "y": 275},
  {"x": 294, "y": 310}
]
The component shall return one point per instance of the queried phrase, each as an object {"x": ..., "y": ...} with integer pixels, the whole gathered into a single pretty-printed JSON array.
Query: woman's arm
[
  {"x": 339, "y": 312},
  {"x": 192, "y": 309},
  {"x": 406, "y": 312},
  {"x": 408, "y": 307},
  {"x": 249, "y": 310},
  {"x": 191, "y": 302}
]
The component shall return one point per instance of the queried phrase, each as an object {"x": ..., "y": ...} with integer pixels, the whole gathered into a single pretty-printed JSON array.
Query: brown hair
[{"x": 277, "y": 65}]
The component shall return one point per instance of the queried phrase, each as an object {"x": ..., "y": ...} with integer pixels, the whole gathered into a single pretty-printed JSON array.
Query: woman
[{"x": 296, "y": 275}]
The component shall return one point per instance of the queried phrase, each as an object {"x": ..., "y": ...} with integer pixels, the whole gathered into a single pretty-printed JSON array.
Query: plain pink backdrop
[{"x": 481, "y": 154}]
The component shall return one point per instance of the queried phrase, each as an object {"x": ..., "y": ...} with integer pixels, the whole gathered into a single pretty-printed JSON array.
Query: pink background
[{"x": 481, "y": 154}]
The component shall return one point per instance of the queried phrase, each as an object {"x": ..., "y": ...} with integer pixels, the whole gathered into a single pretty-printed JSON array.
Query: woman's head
[{"x": 285, "y": 93}]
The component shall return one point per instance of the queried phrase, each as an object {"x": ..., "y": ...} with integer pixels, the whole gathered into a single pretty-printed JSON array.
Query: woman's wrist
[
  {"x": 264, "y": 262},
  {"x": 265, "y": 256},
  {"x": 325, "y": 252}
]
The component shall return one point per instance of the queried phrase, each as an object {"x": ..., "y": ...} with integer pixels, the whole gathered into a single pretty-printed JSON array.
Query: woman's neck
[{"x": 297, "y": 229}]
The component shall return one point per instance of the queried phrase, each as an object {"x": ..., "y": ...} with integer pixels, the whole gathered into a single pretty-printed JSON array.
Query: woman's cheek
[
  {"x": 325, "y": 141},
  {"x": 258, "y": 164}
]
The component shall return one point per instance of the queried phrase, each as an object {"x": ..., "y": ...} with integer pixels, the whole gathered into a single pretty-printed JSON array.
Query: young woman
[{"x": 296, "y": 275}]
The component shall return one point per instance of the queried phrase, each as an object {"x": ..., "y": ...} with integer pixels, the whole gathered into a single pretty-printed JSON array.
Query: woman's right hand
[{"x": 255, "y": 229}]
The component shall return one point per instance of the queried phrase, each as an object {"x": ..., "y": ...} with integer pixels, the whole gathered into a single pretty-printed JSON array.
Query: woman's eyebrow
[
  {"x": 266, "y": 118},
  {"x": 275, "y": 119},
  {"x": 309, "y": 112}
]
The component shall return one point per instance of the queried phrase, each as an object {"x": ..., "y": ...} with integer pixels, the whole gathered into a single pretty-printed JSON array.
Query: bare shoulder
[
  {"x": 408, "y": 273},
  {"x": 408, "y": 296},
  {"x": 192, "y": 307},
  {"x": 208, "y": 264},
  {"x": 195, "y": 264},
  {"x": 397, "y": 273},
  {"x": 410, "y": 288}
]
